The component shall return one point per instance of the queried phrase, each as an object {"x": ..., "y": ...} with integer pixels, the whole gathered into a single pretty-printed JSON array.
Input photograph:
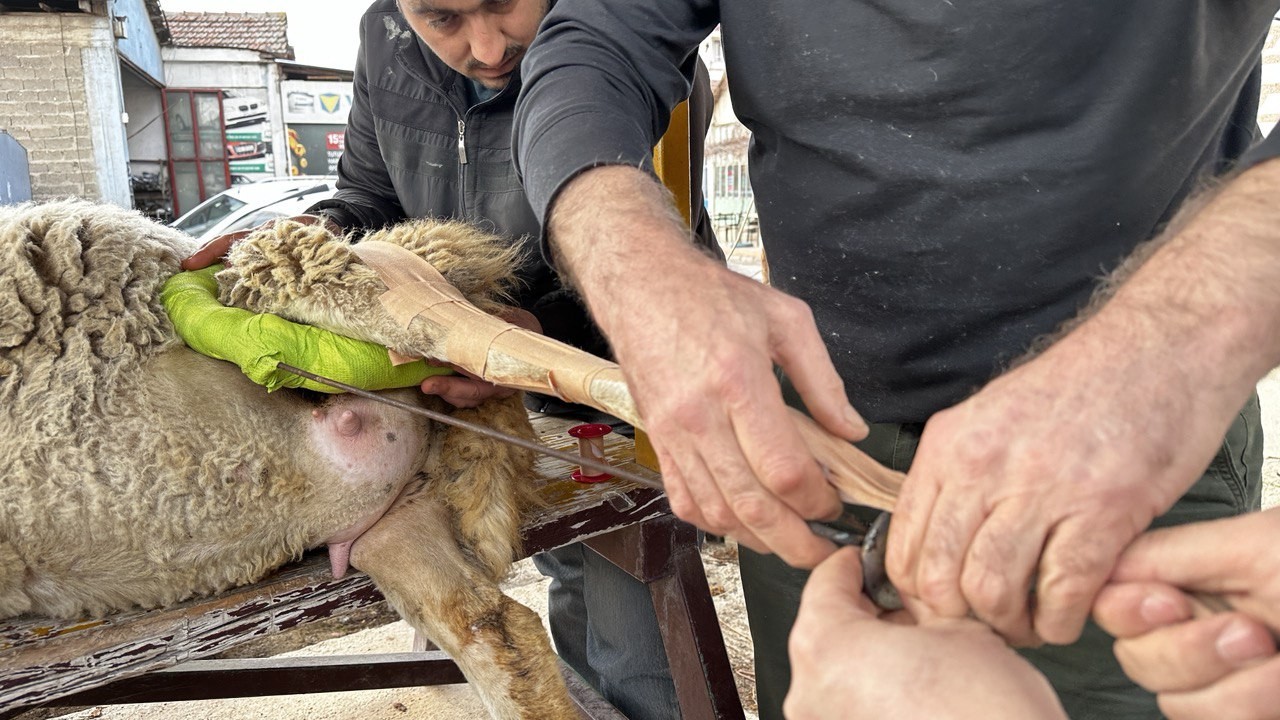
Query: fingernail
[
  {"x": 1160, "y": 609},
  {"x": 1239, "y": 642}
]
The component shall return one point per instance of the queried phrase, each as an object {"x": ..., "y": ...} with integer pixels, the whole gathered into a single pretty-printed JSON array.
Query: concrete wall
[
  {"x": 139, "y": 45},
  {"x": 145, "y": 129},
  {"x": 60, "y": 97}
]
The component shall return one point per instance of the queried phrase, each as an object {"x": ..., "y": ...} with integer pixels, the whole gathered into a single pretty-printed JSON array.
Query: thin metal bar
[
  {"x": 589, "y": 463},
  {"x": 836, "y": 535}
]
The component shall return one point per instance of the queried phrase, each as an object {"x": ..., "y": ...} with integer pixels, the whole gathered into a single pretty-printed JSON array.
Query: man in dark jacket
[
  {"x": 939, "y": 184},
  {"x": 429, "y": 135}
]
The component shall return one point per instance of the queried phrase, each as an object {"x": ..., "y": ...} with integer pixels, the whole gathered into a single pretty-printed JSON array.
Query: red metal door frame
[{"x": 195, "y": 140}]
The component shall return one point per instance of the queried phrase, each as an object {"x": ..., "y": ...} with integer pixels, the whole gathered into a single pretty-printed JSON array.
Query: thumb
[{"x": 834, "y": 589}]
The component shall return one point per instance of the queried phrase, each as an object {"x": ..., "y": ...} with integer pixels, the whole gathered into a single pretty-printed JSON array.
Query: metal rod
[
  {"x": 489, "y": 432},
  {"x": 836, "y": 535}
]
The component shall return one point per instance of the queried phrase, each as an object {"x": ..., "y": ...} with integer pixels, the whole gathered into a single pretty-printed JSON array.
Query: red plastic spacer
[
  {"x": 589, "y": 430},
  {"x": 590, "y": 445}
]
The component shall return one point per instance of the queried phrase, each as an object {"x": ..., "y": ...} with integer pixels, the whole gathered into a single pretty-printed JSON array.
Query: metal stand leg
[{"x": 663, "y": 554}]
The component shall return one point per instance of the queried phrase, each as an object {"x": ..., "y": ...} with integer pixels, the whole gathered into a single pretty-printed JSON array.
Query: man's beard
[{"x": 513, "y": 50}]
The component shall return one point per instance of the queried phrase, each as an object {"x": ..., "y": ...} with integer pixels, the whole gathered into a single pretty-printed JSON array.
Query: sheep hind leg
[{"x": 499, "y": 644}]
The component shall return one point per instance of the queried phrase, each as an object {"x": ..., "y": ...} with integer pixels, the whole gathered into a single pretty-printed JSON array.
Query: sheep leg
[
  {"x": 499, "y": 644},
  {"x": 303, "y": 273}
]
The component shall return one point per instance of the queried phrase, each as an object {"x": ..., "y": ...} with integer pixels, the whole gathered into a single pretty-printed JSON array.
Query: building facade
[
  {"x": 726, "y": 182},
  {"x": 113, "y": 100},
  {"x": 63, "y": 69}
]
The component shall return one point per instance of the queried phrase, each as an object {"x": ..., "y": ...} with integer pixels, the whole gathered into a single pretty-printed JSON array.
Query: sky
[{"x": 322, "y": 32}]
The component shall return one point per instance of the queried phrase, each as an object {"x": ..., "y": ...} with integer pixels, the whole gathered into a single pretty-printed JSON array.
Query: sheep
[{"x": 138, "y": 472}]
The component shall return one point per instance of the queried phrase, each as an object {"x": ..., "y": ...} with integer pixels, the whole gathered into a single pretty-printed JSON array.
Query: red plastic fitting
[{"x": 590, "y": 445}]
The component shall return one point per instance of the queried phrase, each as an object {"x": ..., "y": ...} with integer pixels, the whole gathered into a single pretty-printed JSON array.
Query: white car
[
  {"x": 237, "y": 110},
  {"x": 241, "y": 207}
]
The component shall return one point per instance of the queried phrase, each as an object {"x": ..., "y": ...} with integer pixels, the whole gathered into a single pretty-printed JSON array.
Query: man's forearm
[
  {"x": 1208, "y": 294},
  {"x": 612, "y": 229}
]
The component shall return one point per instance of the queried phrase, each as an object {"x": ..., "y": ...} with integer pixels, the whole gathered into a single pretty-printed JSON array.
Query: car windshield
[
  {"x": 252, "y": 220},
  {"x": 208, "y": 214}
]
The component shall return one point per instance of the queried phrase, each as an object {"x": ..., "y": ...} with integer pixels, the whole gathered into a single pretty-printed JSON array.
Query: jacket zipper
[{"x": 462, "y": 142}]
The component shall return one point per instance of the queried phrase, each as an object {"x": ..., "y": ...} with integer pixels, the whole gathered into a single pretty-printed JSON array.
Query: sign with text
[
  {"x": 315, "y": 101},
  {"x": 248, "y": 135},
  {"x": 314, "y": 149}
]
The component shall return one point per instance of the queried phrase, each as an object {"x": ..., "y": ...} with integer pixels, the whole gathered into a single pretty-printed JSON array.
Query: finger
[
  {"x": 910, "y": 522},
  {"x": 1078, "y": 556},
  {"x": 463, "y": 392},
  {"x": 832, "y": 597},
  {"x": 213, "y": 251},
  {"x": 948, "y": 533},
  {"x": 799, "y": 350},
  {"x": 999, "y": 569},
  {"x": 522, "y": 318},
  {"x": 1193, "y": 556},
  {"x": 692, "y": 498},
  {"x": 1249, "y": 694},
  {"x": 767, "y": 440},
  {"x": 451, "y": 390},
  {"x": 760, "y": 508},
  {"x": 765, "y": 480},
  {"x": 828, "y": 602},
  {"x": 322, "y": 220},
  {"x": 701, "y": 502},
  {"x": 834, "y": 589},
  {"x": 1194, "y": 654},
  {"x": 1130, "y": 609}
]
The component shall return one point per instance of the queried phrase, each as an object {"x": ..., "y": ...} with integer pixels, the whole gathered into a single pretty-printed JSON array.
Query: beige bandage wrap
[
  {"x": 486, "y": 346},
  {"x": 511, "y": 356}
]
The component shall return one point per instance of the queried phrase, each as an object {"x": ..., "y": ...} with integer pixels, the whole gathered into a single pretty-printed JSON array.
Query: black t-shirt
[{"x": 942, "y": 182}]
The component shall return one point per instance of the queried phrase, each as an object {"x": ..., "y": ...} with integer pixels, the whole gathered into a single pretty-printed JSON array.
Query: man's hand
[
  {"x": 1200, "y": 666},
  {"x": 213, "y": 252},
  {"x": 465, "y": 390},
  {"x": 1042, "y": 478},
  {"x": 1037, "y": 483},
  {"x": 698, "y": 344},
  {"x": 843, "y": 657}
]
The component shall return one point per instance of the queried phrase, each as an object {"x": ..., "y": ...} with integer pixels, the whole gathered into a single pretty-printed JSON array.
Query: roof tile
[{"x": 264, "y": 32}]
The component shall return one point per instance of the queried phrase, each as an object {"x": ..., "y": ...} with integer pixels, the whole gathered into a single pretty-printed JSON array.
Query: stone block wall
[{"x": 59, "y": 94}]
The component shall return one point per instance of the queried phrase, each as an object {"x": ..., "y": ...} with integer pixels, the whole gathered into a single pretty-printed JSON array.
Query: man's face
[{"x": 482, "y": 39}]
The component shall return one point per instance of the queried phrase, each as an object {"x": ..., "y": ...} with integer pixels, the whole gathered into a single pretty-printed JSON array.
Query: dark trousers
[
  {"x": 1085, "y": 674},
  {"x": 604, "y": 627}
]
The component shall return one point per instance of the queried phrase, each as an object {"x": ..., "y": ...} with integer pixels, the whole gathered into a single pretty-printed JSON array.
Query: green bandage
[{"x": 257, "y": 342}]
